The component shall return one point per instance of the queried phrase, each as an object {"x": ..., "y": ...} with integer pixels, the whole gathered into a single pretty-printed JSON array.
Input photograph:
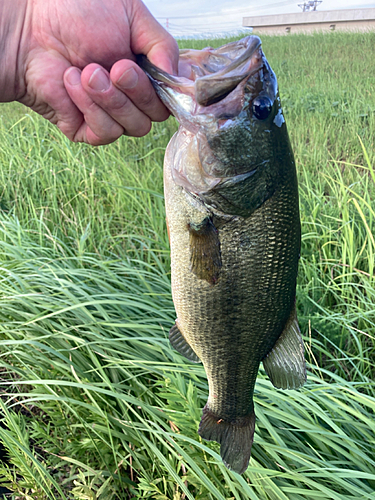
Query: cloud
[{"x": 206, "y": 16}]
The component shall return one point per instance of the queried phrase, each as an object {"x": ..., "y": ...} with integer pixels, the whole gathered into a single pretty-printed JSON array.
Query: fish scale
[
  {"x": 252, "y": 278},
  {"x": 231, "y": 200}
]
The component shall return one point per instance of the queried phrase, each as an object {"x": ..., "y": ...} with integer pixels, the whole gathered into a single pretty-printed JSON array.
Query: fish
[{"x": 232, "y": 210}]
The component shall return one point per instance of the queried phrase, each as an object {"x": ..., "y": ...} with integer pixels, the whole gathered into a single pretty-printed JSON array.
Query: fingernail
[
  {"x": 73, "y": 76},
  {"x": 129, "y": 79},
  {"x": 99, "y": 80}
]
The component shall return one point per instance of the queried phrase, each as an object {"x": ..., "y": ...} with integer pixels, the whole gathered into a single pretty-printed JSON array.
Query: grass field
[{"x": 94, "y": 402}]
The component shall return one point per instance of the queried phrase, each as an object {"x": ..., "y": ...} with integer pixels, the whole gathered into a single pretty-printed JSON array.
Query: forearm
[{"x": 12, "y": 31}]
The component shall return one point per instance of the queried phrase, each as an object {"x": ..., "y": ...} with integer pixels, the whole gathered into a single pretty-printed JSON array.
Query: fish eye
[{"x": 262, "y": 107}]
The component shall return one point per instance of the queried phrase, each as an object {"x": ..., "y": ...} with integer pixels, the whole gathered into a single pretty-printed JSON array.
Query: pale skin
[{"x": 73, "y": 62}]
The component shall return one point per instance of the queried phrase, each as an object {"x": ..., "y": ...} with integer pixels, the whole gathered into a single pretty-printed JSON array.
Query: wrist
[{"x": 12, "y": 32}]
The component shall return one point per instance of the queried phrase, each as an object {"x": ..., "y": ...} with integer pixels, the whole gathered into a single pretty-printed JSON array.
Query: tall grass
[
  {"x": 95, "y": 404},
  {"x": 98, "y": 402}
]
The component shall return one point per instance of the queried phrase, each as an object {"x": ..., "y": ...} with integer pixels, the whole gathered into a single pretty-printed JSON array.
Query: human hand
[{"x": 111, "y": 95}]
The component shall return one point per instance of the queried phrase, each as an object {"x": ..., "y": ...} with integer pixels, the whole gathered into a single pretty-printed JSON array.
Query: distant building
[{"x": 329, "y": 20}]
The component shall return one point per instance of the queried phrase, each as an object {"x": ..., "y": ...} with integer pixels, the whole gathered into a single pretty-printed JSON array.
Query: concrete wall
[{"x": 351, "y": 19}]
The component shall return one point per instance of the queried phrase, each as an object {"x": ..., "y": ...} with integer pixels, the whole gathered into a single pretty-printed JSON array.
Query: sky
[{"x": 200, "y": 17}]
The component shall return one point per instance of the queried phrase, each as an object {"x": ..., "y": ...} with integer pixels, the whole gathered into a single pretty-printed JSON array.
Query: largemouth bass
[{"x": 231, "y": 201}]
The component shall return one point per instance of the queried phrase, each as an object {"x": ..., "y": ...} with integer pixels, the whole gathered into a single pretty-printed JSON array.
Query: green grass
[{"x": 95, "y": 404}]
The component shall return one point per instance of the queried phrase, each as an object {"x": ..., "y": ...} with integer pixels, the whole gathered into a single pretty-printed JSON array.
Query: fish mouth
[{"x": 206, "y": 76}]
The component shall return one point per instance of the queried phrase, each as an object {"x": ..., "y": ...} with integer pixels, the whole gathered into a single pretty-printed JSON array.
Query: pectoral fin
[
  {"x": 205, "y": 257},
  {"x": 285, "y": 363},
  {"x": 179, "y": 343}
]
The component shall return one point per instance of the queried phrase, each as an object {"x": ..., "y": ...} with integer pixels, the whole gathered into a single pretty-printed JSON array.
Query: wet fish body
[{"x": 231, "y": 200}]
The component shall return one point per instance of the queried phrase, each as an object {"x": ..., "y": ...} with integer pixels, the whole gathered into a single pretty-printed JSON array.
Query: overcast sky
[{"x": 189, "y": 17}]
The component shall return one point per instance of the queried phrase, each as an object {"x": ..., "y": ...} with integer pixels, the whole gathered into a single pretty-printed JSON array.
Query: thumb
[{"x": 148, "y": 37}]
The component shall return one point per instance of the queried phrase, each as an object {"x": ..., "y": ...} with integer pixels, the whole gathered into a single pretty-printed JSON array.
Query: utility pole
[{"x": 310, "y": 5}]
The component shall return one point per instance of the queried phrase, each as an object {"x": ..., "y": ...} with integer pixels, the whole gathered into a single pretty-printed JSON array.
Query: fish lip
[{"x": 199, "y": 88}]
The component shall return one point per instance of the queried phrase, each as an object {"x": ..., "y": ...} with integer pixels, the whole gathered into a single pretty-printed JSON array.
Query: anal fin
[
  {"x": 285, "y": 363},
  {"x": 205, "y": 256},
  {"x": 179, "y": 343}
]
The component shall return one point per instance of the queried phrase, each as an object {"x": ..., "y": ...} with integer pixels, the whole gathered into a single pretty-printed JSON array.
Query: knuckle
[
  {"x": 96, "y": 138},
  {"x": 115, "y": 102},
  {"x": 147, "y": 99},
  {"x": 143, "y": 129},
  {"x": 118, "y": 103},
  {"x": 100, "y": 141},
  {"x": 68, "y": 129},
  {"x": 110, "y": 101},
  {"x": 114, "y": 132},
  {"x": 108, "y": 133}
]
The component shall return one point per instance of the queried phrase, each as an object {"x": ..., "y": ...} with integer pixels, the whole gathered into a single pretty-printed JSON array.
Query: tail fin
[{"x": 235, "y": 438}]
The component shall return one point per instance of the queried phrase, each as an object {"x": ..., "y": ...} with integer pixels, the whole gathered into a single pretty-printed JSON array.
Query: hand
[{"x": 112, "y": 95}]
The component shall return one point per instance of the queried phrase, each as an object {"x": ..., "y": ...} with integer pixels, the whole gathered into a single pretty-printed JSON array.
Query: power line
[
  {"x": 224, "y": 30},
  {"x": 193, "y": 26},
  {"x": 173, "y": 28},
  {"x": 216, "y": 14}
]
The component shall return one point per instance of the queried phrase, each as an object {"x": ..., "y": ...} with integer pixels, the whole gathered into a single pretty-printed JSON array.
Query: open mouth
[{"x": 209, "y": 75}]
